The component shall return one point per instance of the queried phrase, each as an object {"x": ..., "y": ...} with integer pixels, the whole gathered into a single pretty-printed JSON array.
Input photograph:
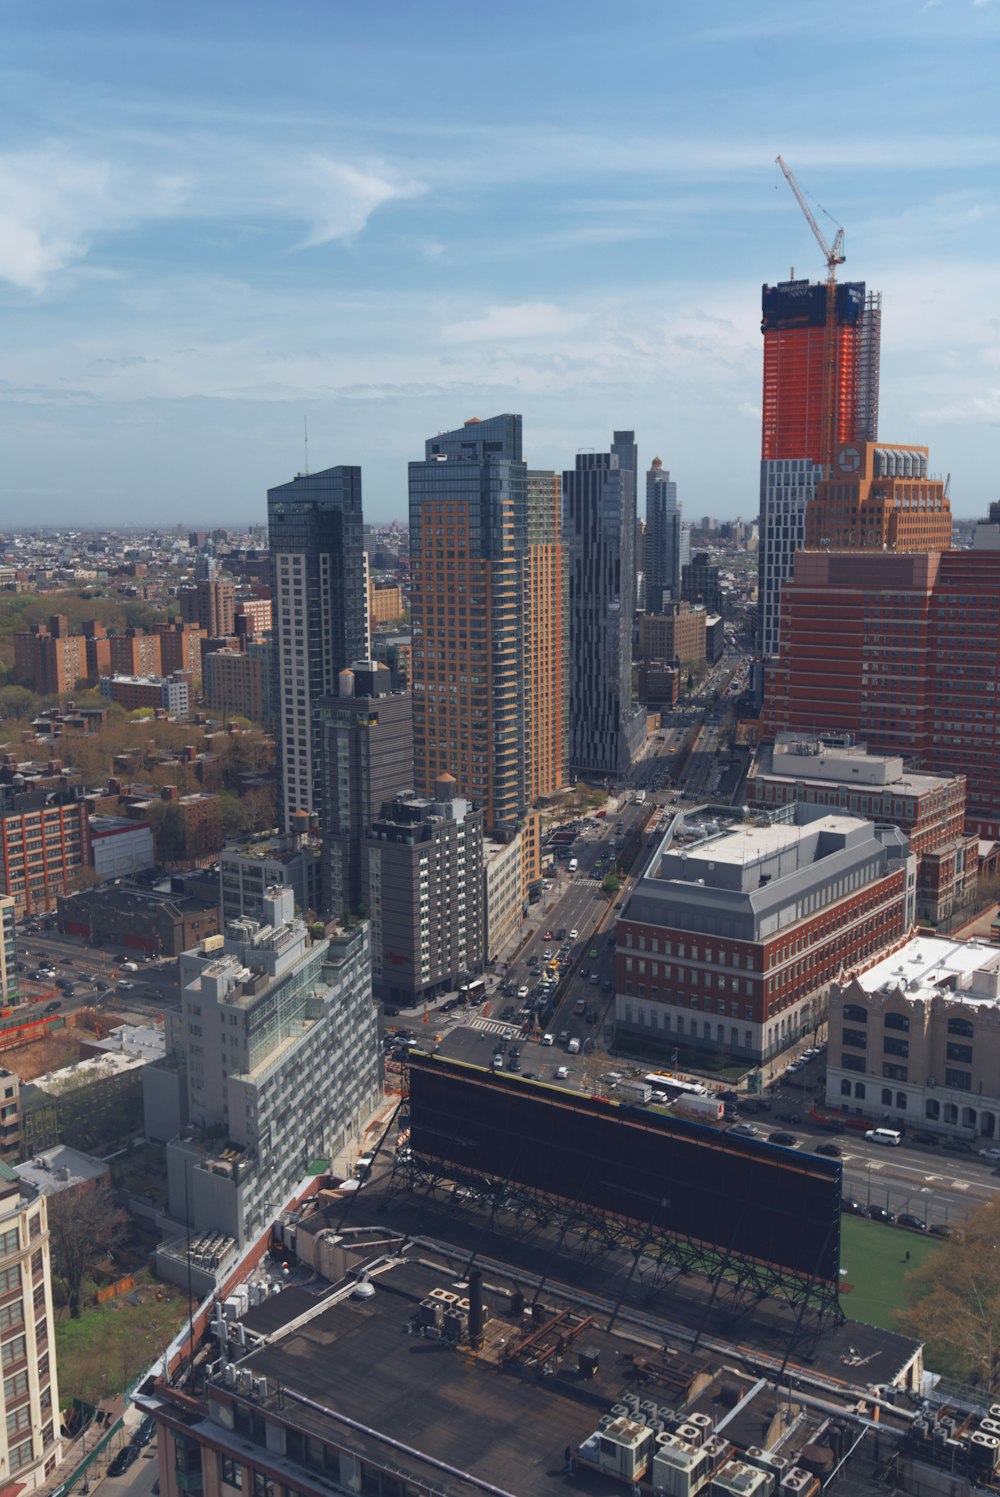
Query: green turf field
[{"x": 874, "y": 1258}]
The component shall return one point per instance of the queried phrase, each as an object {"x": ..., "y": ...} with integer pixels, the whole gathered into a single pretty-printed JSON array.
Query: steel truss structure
[{"x": 659, "y": 1252}]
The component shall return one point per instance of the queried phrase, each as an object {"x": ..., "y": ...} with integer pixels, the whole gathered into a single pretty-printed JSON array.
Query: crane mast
[{"x": 834, "y": 256}]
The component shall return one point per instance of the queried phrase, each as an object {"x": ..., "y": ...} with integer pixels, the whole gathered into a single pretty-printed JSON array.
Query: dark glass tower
[
  {"x": 599, "y": 528},
  {"x": 663, "y": 539},
  {"x": 320, "y": 610}
]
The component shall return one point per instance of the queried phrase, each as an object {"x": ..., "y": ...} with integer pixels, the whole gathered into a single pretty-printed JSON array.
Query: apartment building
[
  {"x": 30, "y": 1444},
  {"x": 44, "y": 845}
]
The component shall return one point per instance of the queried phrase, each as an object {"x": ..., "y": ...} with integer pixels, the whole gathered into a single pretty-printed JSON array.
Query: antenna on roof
[{"x": 305, "y": 422}]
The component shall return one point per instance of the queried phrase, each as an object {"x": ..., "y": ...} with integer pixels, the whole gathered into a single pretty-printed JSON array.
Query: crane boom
[{"x": 834, "y": 256}]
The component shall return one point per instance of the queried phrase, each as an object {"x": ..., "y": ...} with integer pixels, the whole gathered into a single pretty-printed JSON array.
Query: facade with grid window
[
  {"x": 730, "y": 941},
  {"x": 319, "y": 592},
  {"x": 44, "y": 845},
  {"x": 30, "y": 1448},
  {"x": 917, "y": 1038}
]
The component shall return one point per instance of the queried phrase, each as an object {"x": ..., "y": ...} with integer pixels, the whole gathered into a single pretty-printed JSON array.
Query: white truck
[
  {"x": 640, "y": 797},
  {"x": 705, "y": 1109}
]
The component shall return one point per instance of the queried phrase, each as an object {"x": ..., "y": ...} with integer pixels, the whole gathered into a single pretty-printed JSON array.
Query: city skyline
[{"x": 197, "y": 254}]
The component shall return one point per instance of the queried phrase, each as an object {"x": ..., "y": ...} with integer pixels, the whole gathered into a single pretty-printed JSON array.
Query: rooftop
[
  {"x": 800, "y": 759},
  {"x": 929, "y": 965},
  {"x": 62, "y": 1168}
]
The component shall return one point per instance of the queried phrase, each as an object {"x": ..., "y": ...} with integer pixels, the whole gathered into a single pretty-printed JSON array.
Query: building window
[
  {"x": 960, "y": 1080},
  {"x": 856, "y": 1038},
  {"x": 895, "y": 1073},
  {"x": 896, "y": 1047},
  {"x": 853, "y": 1063},
  {"x": 262, "y": 1485},
  {"x": 855, "y": 1013},
  {"x": 961, "y": 1027},
  {"x": 845, "y": 1088},
  {"x": 897, "y": 1021},
  {"x": 961, "y": 1053},
  {"x": 230, "y": 1471}
]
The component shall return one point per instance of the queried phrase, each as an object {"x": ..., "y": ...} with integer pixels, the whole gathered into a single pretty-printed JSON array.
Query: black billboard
[
  {"x": 737, "y": 1195},
  {"x": 803, "y": 304}
]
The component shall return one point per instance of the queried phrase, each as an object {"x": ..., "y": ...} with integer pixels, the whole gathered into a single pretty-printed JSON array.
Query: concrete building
[
  {"x": 10, "y": 1116},
  {"x": 675, "y": 635},
  {"x": 731, "y": 938},
  {"x": 280, "y": 1050},
  {"x": 901, "y": 650},
  {"x": 8, "y": 950},
  {"x": 169, "y": 694},
  {"x": 606, "y": 727},
  {"x": 662, "y": 550},
  {"x": 469, "y": 603},
  {"x": 837, "y": 773},
  {"x": 366, "y": 737},
  {"x": 503, "y": 893},
  {"x": 425, "y": 894},
  {"x": 917, "y": 1038},
  {"x": 30, "y": 1447},
  {"x": 319, "y": 591},
  {"x": 44, "y": 844},
  {"x": 247, "y": 873},
  {"x": 119, "y": 846}
]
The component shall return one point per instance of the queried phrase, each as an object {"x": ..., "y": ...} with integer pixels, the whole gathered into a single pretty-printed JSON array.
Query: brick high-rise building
[
  {"x": 135, "y": 653},
  {"x": 793, "y": 325},
  {"x": 469, "y": 606},
  {"x": 319, "y": 594},
  {"x": 879, "y": 498},
  {"x": 48, "y": 658},
  {"x": 546, "y": 633},
  {"x": 180, "y": 648},
  {"x": 210, "y": 602},
  {"x": 44, "y": 845},
  {"x": 30, "y": 1444},
  {"x": 903, "y": 651}
]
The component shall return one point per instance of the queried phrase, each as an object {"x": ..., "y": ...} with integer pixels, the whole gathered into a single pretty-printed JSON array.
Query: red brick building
[
  {"x": 729, "y": 942},
  {"x": 44, "y": 845},
  {"x": 48, "y": 658},
  {"x": 902, "y": 650}
]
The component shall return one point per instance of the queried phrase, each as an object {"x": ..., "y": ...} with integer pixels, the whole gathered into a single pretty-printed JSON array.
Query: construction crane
[{"x": 834, "y": 256}]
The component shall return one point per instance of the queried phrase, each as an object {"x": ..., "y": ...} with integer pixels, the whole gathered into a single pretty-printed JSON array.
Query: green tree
[
  {"x": 83, "y": 1225},
  {"x": 235, "y": 815},
  {"x": 956, "y": 1303},
  {"x": 169, "y": 837},
  {"x": 611, "y": 885}
]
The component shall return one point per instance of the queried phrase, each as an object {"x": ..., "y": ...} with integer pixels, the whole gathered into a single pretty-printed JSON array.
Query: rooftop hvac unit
[
  {"x": 666, "y": 1439},
  {"x": 260, "y": 1387},
  {"x": 605, "y": 1420},
  {"x": 985, "y": 1450},
  {"x": 650, "y": 1409},
  {"x": 757, "y": 1457},
  {"x": 990, "y": 1426},
  {"x": 229, "y": 1374},
  {"x": 624, "y": 1450},
  {"x": 620, "y": 1410},
  {"x": 737, "y": 1479},
  {"x": 689, "y": 1433},
  {"x": 632, "y": 1401},
  {"x": 702, "y": 1421},
  {"x": 431, "y": 1312},
  {"x": 995, "y": 1410},
  {"x": 717, "y": 1450}
]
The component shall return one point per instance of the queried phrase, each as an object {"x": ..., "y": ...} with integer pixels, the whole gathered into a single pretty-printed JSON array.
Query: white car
[
  {"x": 989, "y": 1154},
  {"x": 574, "y": 935},
  {"x": 548, "y": 1039},
  {"x": 561, "y": 1073}
]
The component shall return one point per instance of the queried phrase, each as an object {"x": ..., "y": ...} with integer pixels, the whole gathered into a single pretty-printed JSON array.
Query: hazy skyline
[{"x": 218, "y": 219}]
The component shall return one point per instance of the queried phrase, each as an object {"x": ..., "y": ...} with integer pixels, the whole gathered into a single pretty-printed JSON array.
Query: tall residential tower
[
  {"x": 320, "y": 615},
  {"x": 662, "y": 552},
  {"x": 599, "y": 521}
]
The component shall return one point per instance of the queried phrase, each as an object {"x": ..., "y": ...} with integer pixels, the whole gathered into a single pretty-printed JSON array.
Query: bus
[
  {"x": 474, "y": 991},
  {"x": 674, "y": 1087}
]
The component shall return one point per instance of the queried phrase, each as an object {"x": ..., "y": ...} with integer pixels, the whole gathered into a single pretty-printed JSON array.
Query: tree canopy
[{"x": 956, "y": 1303}]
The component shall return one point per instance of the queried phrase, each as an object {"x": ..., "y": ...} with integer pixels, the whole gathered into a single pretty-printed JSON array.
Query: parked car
[
  {"x": 958, "y": 1145},
  {"x": 931, "y": 1140},
  {"x": 831, "y": 1150},
  {"x": 745, "y": 1130},
  {"x": 915, "y": 1224},
  {"x": 123, "y": 1460},
  {"x": 880, "y": 1214},
  {"x": 788, "y": 1117},
  {"x": 944, "y": 1229},
  {"x": 992, "y": 1153},
  {"x": 787, "y": 1140},
  {"x": 852, "y": 1207},
  {"x": 560, "y": 1073}
]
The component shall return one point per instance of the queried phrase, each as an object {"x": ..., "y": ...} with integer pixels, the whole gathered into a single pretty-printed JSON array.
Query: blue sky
[{"x": 218, "y": 218}]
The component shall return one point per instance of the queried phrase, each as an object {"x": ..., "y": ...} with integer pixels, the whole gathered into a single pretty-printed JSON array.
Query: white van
[
  {"x": 884, "y": 1136},
  {"x": 573, "y": 1048}
]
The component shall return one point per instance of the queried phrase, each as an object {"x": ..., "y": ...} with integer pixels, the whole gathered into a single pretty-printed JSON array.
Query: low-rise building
[
  {"x": 170, "y": 694},
  {"x": 731, "y": 938},
  {"x": 97, "y": 1102},
  {"x": 659, "y": 684},
  {"x": 119, "y": 847},
  {"x": 917, "y": 1038},
  {"x": 294, "y": 861},
  {"x": 160, "y": 921},
  {"x": 836, "y": 772},
  {"x": 677, "y": 635},
  {"x": 62, "y": 1170}
]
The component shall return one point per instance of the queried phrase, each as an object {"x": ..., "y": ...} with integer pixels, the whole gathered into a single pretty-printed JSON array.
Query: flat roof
[
  {"x": 749, "y": 841},
  {"x": 926, "y": 963}
]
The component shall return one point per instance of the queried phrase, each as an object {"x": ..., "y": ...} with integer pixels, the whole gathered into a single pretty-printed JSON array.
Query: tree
[
  {"x": 83, "y": 1226},
  {"x": 611, "y": 885},
  {"x": 956, "y": 1303}
]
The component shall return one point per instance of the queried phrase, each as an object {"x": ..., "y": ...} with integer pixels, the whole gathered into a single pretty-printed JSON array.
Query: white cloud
[
  {"x": 340, "y": 198},
  {"x": 53, "y": 204},
  {"x": 526, "y": 320}
]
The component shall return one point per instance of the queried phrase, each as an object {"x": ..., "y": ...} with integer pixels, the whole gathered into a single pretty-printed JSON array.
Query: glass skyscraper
[{"x": 320, "y": 613}]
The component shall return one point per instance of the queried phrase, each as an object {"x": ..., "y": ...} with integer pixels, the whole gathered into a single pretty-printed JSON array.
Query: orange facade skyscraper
[{"x": 484, "y": 593}]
